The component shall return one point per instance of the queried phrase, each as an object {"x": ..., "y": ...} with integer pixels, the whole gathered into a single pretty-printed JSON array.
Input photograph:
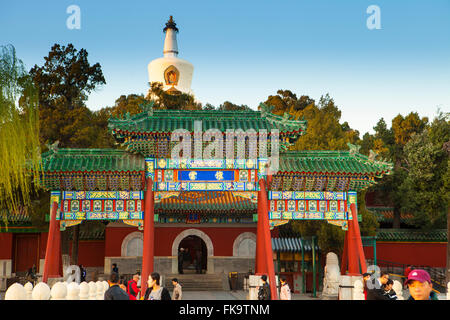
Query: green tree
[
  {"x": 128, "y": 104},
  {"x": 324, "y": 132},
  {"x": 287, "y": 101},
  {"x": 19, "y": 134},
  {"x": 64, "y": 82},
  {"x": 424, "y": 192},
  {"x": 229, "y": 106},
  {"x": 166, "y": 100}
]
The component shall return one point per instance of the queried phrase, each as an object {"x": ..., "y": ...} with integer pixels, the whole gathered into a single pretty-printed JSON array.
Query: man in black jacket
[
  {"x": 264, "y": 290},
  {"x": 375, "y": 288},
  {"x": 115, "y": 292}
]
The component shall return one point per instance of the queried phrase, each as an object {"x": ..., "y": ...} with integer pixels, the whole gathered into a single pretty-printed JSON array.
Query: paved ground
[
  {"x": 217, "y": 295},
  {"x": 232, "y": 295},
  {"x": 240, "y": 295}
]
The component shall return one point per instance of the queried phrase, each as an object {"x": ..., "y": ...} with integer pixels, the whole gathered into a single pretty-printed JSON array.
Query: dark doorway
[
  {"x": 26, "y": 252},
  {"x": 196, "y": 249}
]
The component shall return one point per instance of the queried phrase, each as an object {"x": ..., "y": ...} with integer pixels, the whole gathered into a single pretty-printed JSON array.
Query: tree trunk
[
  {"x": 397, "y": 215},
  {"x": 75, "y": 236},
  {"x": 397, "y": 205}
]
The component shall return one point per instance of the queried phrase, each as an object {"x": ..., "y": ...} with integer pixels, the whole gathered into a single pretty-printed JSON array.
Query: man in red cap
[{"x": 420, "y": 286}]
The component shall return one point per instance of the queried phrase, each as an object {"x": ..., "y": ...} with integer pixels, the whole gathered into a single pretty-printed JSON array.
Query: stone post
[
  {"x": 41, "y": 291},
  {"x": 84, "y": 291},
  {"x": 16, "y": 292},
  {"x": 29, "y": 289}
]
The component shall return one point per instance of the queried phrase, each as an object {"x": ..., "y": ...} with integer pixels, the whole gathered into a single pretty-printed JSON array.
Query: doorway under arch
[{"x": 194, "y": 249}]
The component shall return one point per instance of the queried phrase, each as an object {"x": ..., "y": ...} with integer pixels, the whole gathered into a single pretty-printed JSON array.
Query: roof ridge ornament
[
  {"x": 147, "y": 107},
  {"x": 354, "y": 149},
  {"x": 265, "y": 109},
  {"x": 372, "y": 155},
  {"x": 53, "y": 147}
]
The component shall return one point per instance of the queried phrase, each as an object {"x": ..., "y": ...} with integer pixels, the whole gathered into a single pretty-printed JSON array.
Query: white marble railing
[{"x": 59, "y": 291}]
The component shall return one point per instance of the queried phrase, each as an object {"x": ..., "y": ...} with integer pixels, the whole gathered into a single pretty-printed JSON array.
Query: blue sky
[{"x": 243, "y": 51}]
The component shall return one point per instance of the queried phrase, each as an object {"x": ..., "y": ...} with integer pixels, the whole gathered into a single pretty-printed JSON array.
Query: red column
[
  {"x": 149, "y": 235},
  {"x": 50, "y": 250},
  {"x": 57, "y": 269},
  {"x": 260, "y": 264},
  {"x": 353, "y": 263},
  {"x": 358, "y": 240},
  {"x": 267, "y": 239}
]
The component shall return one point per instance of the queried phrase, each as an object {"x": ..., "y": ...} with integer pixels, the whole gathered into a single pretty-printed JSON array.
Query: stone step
[{"x": 196, "y": 282}]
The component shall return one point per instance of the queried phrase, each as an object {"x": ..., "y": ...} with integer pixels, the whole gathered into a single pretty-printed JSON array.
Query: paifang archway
[{"x": 309, "y": 185}]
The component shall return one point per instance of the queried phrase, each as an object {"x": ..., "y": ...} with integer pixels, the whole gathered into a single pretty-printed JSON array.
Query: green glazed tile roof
[
  {"x": 292, "y": 245},
  {"x": 412, "y": 235},
  {"x": 386, "y": 214},
  {"x": 166, "y": 121},
  {"x": 332, "y": 162},
  {"x": 19, "y": 217},
  {"x": 91, "y": 160}
]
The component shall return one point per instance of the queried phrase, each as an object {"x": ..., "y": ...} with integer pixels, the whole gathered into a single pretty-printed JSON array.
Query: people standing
[
  {"x": 366, "y": 278},
  {"x": 114, "y": 291},
  {"x": 285, "y": 291},
  {"x": 198, "y": 258},
  {"x": 122, "y": 283},
  {"x": 82, "y": 273},
  {"x": 177, "y": 292},
  {"x": 154, "y": 290},
  {"x": 388, "y": 291},
  {"x": 180, "y": 260},
  {"x": 420, "y": 286},
  {"x": 186, "y": 258},
  {"x": 408, "y": 269},
  {"x": 132, "y": 286},
  {"x": 375, "y": 289},
  {"x": 264, "y": 290},
  {"x": 114, "y": 268},
  {"x": 31, "y": 274}
]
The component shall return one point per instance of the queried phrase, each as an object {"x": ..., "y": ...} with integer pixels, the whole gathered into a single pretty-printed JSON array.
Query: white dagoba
[{"x": 174, "y": 73}]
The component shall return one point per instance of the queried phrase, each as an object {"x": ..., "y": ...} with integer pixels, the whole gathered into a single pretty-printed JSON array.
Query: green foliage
[
  {"x": 424, "y": 188},
  {"x": 324, "y": 132},
  {"x": 227, "y": 105},
  {"x": 286, "y": 101},
  {"x": 64, "y": 81},
  {"x": 19, "y": 133},
  {"x": 166, "y": 100},
  {"x": 127, "y": 104}
]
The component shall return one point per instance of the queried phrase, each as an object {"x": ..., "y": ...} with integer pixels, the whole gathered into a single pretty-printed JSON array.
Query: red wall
[
  {"x": 6, "y": 245},
  {"x": 91, "y": 253},
  {"x": 413, "y": 253},
  {"x": 43, "y": 245},
  {"x": 222, "y": 239}
]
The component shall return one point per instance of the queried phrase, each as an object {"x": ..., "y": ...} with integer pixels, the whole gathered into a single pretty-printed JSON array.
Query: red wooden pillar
[
  {"x": 51, "y": 259},
  {"x": 268, "y": 253},
  {"x": 149, "y": 235},
  {"x": 353, "y": 263},
  {"x": 260, "y": 264},
  {"x": 58, "y": 256},
  {"x": 358, "y": 240}
]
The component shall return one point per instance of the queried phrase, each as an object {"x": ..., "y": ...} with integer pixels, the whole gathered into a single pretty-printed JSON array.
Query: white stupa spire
[
  {"x": 174, "y": 73},
  {"x": 170, "y": 42}
]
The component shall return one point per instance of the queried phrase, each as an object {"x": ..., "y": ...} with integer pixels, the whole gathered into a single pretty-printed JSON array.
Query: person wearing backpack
[{"x": 132, "y": 287}]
